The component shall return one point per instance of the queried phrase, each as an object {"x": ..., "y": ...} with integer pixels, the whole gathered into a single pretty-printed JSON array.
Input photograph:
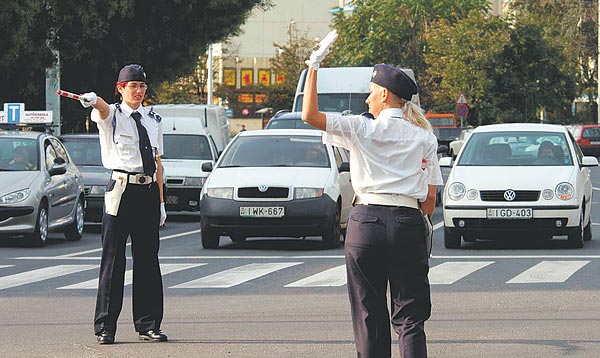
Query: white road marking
[
  {"x": 164, "y": 268},
  {"x": 236, "y": 275},
  {"x": 41, "y": 274},
  {"x": 128, "y": 244},
  {"x": 449, "y": 272},
  {"x": 548, "y": 272},
  {"x": 334, "y": 277},
  {"x": 3, "y": 266}
]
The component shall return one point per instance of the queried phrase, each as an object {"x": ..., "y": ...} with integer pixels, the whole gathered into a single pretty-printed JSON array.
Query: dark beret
[
  {"x": 395, "y": 80},
  {"x": 132, "y": 72}
]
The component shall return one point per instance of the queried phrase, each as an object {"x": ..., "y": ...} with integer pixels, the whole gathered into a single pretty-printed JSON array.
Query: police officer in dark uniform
[
  {"x": 131, "y": 142},
  {"x": 394, "y": 174}
]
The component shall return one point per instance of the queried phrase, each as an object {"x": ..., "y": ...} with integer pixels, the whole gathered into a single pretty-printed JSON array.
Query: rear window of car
[
  {"x": 276, "y": 151},
  {"x": 288, "y": 124},
  {"x": 84, "y": 151},
  {"x": 516, "y": 149},
  {"x": 186, "y": 146},
  {"x": 591, "y": 133}
]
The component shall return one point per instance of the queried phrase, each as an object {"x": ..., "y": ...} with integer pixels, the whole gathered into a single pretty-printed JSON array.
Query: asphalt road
[{"x": 287, "y": 298}]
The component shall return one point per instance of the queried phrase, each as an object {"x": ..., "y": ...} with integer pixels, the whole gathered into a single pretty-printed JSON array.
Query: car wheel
[
  {"x": 210, "y": 239},
  {"x": 575, "y": 236},
  {"x": 451, "y": 238},
  {"x": 74, "y": 231},
  {"x": 331, "y": 239},
  {"x": 587, "y": 231},
  {"x": 39, "y": 236}
]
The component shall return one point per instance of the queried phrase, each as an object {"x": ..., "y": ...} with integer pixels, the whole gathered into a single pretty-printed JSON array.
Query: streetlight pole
[{"x": 597, "y": 69}]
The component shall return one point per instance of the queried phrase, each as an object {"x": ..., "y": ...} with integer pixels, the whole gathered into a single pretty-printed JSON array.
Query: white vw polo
[
  {"x": 277, "y": 183},
  {"x": 518, "y": 180}
]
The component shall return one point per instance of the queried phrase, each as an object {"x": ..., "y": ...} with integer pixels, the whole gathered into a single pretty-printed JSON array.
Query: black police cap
[
  {"x": 395, "y": 80},
  {"x": 132, "y": 72}
]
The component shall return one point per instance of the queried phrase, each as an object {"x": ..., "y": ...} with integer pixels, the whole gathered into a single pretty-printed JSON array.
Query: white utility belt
[
  {"x": 387, "y": 200},
  {"x": 133, "y": 178}
]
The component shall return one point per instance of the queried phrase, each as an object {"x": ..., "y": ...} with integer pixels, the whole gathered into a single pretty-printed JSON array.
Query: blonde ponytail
[{"x": 415, "y": 115}]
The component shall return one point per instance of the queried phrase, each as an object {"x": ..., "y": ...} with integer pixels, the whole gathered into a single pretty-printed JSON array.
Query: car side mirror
[
  {"x": 207, "y": 167},
  {"x": 344, "y": 167},
  {"x": 57, "y": 169},
  {"x": 589, "y": 162},
  {"x": 442, "y": 149}
]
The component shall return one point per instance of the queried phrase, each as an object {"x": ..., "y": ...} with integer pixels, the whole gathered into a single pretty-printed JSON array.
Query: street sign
[
  {"x": 462, "y": 110},
  {"x": 461, "y": 99},
  {"x": 15, "y": 113}
]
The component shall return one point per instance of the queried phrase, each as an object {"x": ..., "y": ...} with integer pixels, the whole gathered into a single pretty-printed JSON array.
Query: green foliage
[{"x": 96, "y": 38}]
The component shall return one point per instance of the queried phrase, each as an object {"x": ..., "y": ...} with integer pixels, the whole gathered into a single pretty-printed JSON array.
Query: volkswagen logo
[
  {"x": 509, "y": 195},
  {"x": 263, "y": 188}
]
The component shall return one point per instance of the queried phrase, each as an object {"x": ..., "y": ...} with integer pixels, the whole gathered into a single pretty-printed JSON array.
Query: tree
[
  {"x": 462, "y": 58},
  {"x": 393, "y": 32},
  {"x": 96, "y": 38}
]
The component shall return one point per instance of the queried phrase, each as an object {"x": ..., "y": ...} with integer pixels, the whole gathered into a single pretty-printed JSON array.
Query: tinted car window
[
  {"x": 339, "y": 102},
  {"x": 276, "y": 151},
  {"x": 84, "y": 151},
  {"x": 185, "y": 146},
  {"x": 19, "y": 154}
]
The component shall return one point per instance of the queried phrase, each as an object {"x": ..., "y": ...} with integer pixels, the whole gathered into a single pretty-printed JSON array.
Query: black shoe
[
  {"x": 105, "y": 337},
  {"x": 153, "y": 335}
]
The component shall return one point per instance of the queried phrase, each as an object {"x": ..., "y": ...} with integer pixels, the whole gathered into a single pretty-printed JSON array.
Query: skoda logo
[
  {"x": 509, "y": 195},
  {"x": 263, "y": 188}
]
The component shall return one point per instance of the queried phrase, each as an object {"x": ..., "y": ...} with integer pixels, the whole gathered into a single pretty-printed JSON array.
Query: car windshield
[
  {"x": 339, "y": 102},
  {"x": 288, "y": 124},
  {"x": 516, "y": 149},
  {"x": 276, "y": 151},
  {"x": 18, "y": 154},
  {"x": 84, "y": 151},
  {"x": 186, "y": 146}
]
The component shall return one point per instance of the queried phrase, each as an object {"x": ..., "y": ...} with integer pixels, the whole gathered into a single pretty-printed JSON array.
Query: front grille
[
  {"x": 270, "y": 193},
  {"x": 521, "y": 195},
  {"x": 178, "y": 181}
]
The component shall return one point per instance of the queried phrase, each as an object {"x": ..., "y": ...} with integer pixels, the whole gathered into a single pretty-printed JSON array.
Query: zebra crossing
[{"x": 443, "y": 274}]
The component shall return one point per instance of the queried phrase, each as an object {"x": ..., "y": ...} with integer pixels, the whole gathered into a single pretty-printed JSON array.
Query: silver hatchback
[{"x": 41, "y": 189}]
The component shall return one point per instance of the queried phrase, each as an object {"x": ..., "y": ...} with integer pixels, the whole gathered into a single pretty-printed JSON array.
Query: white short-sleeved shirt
[
  {"x": 119, "y": 140},
  {"x": 389, "y": 155}
]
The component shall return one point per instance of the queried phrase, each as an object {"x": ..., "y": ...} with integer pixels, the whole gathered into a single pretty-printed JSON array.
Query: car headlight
[
  {"x": 221, "y": 193},
  {"x": 456, "y": 191},
  {"x": 194, "y": 181},
  {"x": 97, "y": 190},
  {"x": 305, "y": 193},
  {"x": 15, "y": 196},
  {"x": 564, "y": 191}
]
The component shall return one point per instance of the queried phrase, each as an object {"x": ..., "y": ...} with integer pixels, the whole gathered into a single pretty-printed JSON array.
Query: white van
[
  {"x": 340, "y": 89},
  {"x": 192, "y": 135}
]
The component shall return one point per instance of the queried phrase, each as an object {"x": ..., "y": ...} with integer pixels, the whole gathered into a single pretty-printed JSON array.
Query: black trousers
[
  {"x": 384, "y": 245},
  {"x": 138, "y": 217}
]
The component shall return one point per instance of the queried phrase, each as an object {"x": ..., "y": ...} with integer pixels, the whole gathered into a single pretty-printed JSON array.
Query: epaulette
[
  {"x": 154, "y": 115},
  {"x": 368, "y": 115}
]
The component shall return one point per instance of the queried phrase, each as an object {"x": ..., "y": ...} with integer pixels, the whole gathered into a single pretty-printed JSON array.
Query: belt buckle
[{"x": 141, "y": 179}]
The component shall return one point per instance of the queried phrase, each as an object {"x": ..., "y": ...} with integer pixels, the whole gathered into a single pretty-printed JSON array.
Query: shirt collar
[
  {"x": 128, "y": 110},
  {"x": 390, "y": 112}
]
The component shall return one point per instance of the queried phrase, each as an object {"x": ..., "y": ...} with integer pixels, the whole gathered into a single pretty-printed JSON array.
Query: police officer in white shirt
[
  {"x": 131, "y": 142},
  {"x": 394, "y": 173}
]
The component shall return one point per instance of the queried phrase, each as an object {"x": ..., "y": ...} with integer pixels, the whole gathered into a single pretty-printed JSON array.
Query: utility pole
[{"x": 209, "y": 80}]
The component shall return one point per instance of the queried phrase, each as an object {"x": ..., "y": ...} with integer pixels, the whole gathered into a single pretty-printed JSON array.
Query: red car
[{"x": 588, "y": 138}]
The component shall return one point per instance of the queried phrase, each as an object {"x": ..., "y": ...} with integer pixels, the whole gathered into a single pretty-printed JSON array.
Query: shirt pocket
[{"x": 127, "y": 146}]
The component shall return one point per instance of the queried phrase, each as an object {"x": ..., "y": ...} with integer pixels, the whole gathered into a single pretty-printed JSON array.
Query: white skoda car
[
  {"x": 518, "y": 180},
  {"x": 277, "y": 183}
]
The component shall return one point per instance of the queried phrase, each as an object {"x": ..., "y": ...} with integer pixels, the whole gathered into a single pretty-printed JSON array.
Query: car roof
[
  {"x": 520, "y": 127},
  {"x": 275, "y": 132}
]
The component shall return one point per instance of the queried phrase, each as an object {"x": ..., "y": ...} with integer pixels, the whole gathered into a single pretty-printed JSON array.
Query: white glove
[
  {"x": 163, "y": 215},
  {"x": 88, "y": 99},
  {"x": 319, "y": 54}
]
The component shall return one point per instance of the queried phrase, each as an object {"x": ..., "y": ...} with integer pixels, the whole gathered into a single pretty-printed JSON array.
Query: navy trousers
[
  {"x": 138, "y": 217},
  {"x": 386, "y": 245}
]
